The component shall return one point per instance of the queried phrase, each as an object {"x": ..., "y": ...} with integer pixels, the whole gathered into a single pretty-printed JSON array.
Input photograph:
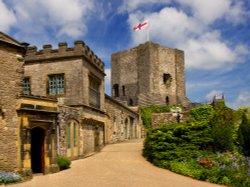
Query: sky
[{"x": 214, "y": 34}]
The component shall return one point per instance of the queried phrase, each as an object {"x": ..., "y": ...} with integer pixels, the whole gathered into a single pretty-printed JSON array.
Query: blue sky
[{"x": 214, "y": 34}]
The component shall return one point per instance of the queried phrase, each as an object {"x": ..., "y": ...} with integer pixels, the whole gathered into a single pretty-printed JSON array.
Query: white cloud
[
  {"x": 63, "y": 17},
  {"x": 169, "y": 24},
  {"x": 204, "y": 48},
  {"x": 209, "y": 11},
  {"x": 132, "y": 5},
  {"x": 243, "y": 99},
  {"x": 208, "y": 53},
  {"x": 214, "y": 93},
  {"x": 7, "y": 17}
]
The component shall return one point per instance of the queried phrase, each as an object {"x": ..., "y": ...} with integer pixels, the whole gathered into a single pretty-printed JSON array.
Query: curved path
[{"x": 117, "y": 165}]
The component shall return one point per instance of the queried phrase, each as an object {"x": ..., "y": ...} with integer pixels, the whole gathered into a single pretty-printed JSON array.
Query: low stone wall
[{"x": 167, "y": 118}]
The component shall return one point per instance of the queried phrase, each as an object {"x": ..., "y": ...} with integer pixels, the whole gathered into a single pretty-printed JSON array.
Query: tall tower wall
[{"x": 156, "y": 71}]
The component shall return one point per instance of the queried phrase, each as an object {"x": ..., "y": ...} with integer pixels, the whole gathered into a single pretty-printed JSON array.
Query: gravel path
[{"x": 117, "y": 165}]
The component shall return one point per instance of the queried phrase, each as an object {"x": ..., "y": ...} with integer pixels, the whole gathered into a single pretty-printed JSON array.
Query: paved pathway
[{"x": 117, "y": 165}]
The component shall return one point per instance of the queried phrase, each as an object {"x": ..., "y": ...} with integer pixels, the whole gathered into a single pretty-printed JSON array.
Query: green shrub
[
  {"x": 201, "y": 113},
  {"x": 244, "y": 135},
  {"x": 63, "y": 162},
  {"x": 223, "y": 127}
]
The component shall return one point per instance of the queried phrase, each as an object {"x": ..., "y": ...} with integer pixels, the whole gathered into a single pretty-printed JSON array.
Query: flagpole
[{"x": 148, "y": 39}]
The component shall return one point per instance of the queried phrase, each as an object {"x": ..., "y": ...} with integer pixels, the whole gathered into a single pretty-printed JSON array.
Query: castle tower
[{"x": 149, "y": 74}]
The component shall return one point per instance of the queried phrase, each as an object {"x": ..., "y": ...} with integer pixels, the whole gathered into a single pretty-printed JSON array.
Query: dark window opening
[
  {"x": 123, "y": 90},
  {"x": 166, "y": 77},
  {"x": 116, "y": 90},
  {"x": 94, "y": 94},
  {"x": 167, "y": 100},
  {"x": 131, "y": 102},
  {"x": 26, "y": 86},
  {"x": 56, "y": 84}
]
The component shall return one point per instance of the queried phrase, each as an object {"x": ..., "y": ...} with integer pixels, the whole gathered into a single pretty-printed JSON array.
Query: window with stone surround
[
  {"x": 123, "y": 90},
  {"x": 56, "y": 84},
  {"x": 116, "y": 90},
  {"x": 94, "y": 93},
  {"x": 167, "y": 78},
  {"x": 26, "y": 86}
]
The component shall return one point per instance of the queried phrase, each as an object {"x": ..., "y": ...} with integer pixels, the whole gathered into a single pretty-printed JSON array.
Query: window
[
  {"x": 167, "y": 100},
  {"x": 72, "y": 139},
  {"x": 116, "y": 90},
  {"x": 166, "y": 77},
  {"x": 69, "y": 135},
  {"x": 94, "y": 94},
  {"x": 26, "y": 86},
  {"x": 131, "y": 102},
  {"x": 75, "y": 135},
  {"x": 123, "y": 90},
  {"x": 56, "y": 84}
]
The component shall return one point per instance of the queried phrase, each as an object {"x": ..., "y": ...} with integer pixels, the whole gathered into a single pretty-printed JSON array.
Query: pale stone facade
[
  {"x": 122, "y": 123},
  {"x": 11, "y": 71},
  {"x": 149, "y": 74},
  {"x": 82, "y": 116}
]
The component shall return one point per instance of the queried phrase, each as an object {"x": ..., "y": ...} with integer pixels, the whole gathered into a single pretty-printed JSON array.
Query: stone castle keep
[
  {"x": 149, "y": 74},
  {"x": 52, "y": 101}
]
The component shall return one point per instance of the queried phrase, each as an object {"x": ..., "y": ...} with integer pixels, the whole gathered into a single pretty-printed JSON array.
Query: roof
[
  {"x": 11, "y": 41},
  {"x": 120, "y": 104}
]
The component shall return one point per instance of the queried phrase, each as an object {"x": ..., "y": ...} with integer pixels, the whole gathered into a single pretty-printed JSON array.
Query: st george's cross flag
[{"x": 141, "y": 26}]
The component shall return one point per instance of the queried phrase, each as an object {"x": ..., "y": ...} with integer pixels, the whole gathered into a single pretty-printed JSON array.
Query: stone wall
[
  {"x": 122, "y": 123},
  {"x": 141, "y": 71},
  {"x": 167, "y": 118},
  {"x": 11, "y": 71},
  {"x": 77, "y": 64}
]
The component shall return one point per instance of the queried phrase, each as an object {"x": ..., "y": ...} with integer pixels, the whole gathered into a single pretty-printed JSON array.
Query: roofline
[
  {"x": 18, "y": 44},
  {"x": 120, "y": 104}
]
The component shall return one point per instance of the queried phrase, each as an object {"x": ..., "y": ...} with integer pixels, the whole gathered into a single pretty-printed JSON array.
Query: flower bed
[{"x": 9, "y": 177}]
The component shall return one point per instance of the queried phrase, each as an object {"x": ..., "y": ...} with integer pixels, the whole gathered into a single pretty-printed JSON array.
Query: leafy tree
[
  {"x": 244, "y": 135},
  {"x": 222, "y": 125},
  {"x": 201, "y": 113}
]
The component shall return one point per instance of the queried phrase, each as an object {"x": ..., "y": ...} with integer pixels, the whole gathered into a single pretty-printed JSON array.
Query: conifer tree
[{"x": 244, "y": 135}]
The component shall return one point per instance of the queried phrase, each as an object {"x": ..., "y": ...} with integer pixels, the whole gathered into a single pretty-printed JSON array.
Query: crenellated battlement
[{"x": 80, "y": 49}]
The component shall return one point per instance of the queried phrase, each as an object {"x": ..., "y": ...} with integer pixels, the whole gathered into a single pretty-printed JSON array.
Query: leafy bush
[
  {"x": 147, "y": 111},
  {"x": 223, "y": 129},
  {"x": 9, "y": 177},
  {"x": 63, "y": 162},
  {"x": 244, "y": 135},
  {"x": 176, "y": 142},
  {"x": 190, "y": 148},
  {"x": 201, "y": 113}
]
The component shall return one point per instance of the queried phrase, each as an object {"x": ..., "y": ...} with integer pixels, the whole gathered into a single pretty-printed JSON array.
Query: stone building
[
  {"x": 149, "y": 74},
  {"x": 11, "y": 71},
  {"x": 122, "y": 123},
  {"x": 52, "y": 103},
  {"x": 75, "y": 77}
]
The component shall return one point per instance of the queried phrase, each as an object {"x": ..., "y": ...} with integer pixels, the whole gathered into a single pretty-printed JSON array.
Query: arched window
[
  {"x": 116, "y": 90},
  {"x": 131, "y": 102},
  {"x": 167, "y": 100},
  {"x": 72, "y": 139},
  {"x": 123, "y": 90}
]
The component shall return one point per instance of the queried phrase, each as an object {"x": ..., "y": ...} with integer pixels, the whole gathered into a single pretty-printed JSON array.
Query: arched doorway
[{"x": 37, "y": 150}]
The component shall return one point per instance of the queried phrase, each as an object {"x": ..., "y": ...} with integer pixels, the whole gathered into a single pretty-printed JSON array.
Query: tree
[
  {"x": 222, "y": 125},
  {"x": 244, "y": 135}
]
